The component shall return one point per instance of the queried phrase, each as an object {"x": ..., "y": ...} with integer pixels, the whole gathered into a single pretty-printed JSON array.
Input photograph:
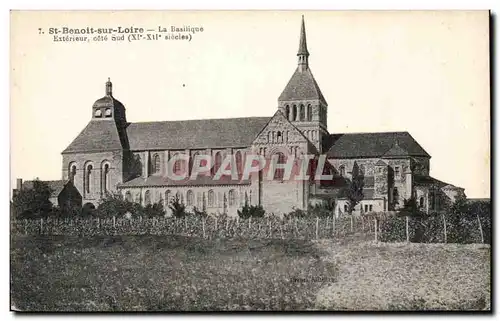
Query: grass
[{"x": 174, "y": 273}]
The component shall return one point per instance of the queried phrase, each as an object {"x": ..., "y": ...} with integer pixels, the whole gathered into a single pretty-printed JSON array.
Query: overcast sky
[{"x": 422, "y": 72}]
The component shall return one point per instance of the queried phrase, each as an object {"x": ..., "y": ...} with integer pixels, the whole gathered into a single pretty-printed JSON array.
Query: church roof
[
  {"x": 97, "y": 136},
  {"x": 396, "y": 151},
  {"x": 426, "y": 180},
  {"x": 303, "y": 42},
  {"x": 371, "y": 145},
  {"x": 302, "y": 86},
  {"x": 195, "y": 134}
]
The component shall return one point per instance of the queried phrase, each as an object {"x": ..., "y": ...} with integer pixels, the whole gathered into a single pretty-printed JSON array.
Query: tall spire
[
  {"x": 303, "y": 54},
  {"x": 109, "y": 88}
]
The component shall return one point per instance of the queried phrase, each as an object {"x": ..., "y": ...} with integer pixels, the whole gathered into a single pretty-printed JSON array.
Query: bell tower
[{"x": 302, "y": 101}]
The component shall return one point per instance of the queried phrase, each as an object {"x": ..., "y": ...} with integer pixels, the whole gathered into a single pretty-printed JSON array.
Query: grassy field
[{"x": 151, "y": 273}]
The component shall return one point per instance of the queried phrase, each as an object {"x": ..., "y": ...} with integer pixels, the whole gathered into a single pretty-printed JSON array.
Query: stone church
[{"x": 113, "y": 155}]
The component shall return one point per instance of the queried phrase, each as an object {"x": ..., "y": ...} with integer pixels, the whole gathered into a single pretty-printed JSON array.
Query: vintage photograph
[{"x": 250, "y": 161}]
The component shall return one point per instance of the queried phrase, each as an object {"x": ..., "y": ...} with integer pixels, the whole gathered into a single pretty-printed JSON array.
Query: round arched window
[
  {"x": 107, "y": 113},
  {"x": 98, "y": 113}
]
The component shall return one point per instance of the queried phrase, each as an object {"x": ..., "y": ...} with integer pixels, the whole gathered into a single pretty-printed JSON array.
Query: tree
[
  {"x": 411, "y": 208},
  {"x": 178, "y": 209},
  {"x": 155, "y": 210},
  {"x": 354, "y": 190},
  {"x": 33, "y": 202},
  {"x": 251, "y": 211},
  {"x": 322, "y": 210},
  {"x": 113, "y": 205}
]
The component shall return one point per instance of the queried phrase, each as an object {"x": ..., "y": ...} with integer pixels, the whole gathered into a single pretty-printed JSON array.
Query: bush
[
  {"x": 321, "y": 210},
  {"x": 178, "y": 209},
  {"x": 154, "y": 210},
  {"x": 296, "y": 213},
  {"x": 113, "y": 205},
  {"x": 33, "y": 202},
  {"x": 88, "y": 210},
  {"x": 199, "y": 213},
  {"x": 248, "y": 211}
]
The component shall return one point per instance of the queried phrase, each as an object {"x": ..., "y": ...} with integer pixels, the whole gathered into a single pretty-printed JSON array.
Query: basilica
[{"x": 113, "y": 155}]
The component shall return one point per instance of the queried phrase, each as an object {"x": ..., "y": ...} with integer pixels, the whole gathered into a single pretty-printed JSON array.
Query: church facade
[{"x": 112, "y": 155}]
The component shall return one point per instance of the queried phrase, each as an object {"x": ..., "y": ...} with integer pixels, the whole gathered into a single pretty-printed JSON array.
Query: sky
[{"x": 423, "y": 72}]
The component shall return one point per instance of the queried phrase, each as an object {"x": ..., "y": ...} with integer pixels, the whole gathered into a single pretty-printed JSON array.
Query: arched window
[
  {"x": 217, "y": 163},
  {"x": 362, "y": 169},
  {"x": 302, "y": 113},
  {"x": 128, "y": 197},
  {"x": 346, "y": 208},
  {"x": 239, "y": 164},
  {"x": 287, "y": 112},
  {"x": 294, "y": 113},
  {"x": 88, "y": 178},
  {"x": 178, "y": 166},
  {"x": 178, "y": 196},
  {"x": 342, "y": 170},
  {"x": 147, "y": 198},
  {"x": 232, "y": 197},
  {"x": 105, "y": 178},
  {"x": 159, "y": 197},
  {"x": 72, "y": 172},
  {"x": 199, "y": 199},
  {"x": 168, "y": 196},
  {"x": 189, "y": 198},
  {"x": 421, "y": 202},
  {"x": 309, "y": 112},
  {"x": 156, "y": 163},
  {"x": 107, "y": 113},
  {"x": 279, "y": 137},
  {"x": 279, "y": 172},
  {"x": 211, "y": 198},
  {"x": 98, "y": 113}
]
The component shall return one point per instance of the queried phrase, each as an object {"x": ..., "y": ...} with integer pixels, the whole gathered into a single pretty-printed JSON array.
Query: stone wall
[
  {"x": 115, "y": 176},
  {"x": 222, "y": 202}
]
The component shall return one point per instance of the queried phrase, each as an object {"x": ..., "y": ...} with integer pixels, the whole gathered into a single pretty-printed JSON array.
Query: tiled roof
[
  {"x": 55, "y": 186},
  {"x": 98, "y": 135},
  {"x": 371, "y": 145},
  {"x": 204, "y": 180},
  {"x": 193, "y": 134},
  {"x": 396, "y": 151},
  {"x": 429, "y": 180},
  {"x": 302, "y": 86}
]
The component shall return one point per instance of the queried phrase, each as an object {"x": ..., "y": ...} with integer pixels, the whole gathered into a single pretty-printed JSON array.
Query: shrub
[
  {"x": 199, "y": 213},
  {"x": 33, "y": 202},
  {"x": 251, "y": 211},
  {"x": 321, "y": 210},
  {"x": 88, "y": 209},
  {"x": 178, "y": 209},
  {"x": 113, "y": 205},
  {"x": 296, "y": 213},
  {"x": 153, "y": 210}
]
